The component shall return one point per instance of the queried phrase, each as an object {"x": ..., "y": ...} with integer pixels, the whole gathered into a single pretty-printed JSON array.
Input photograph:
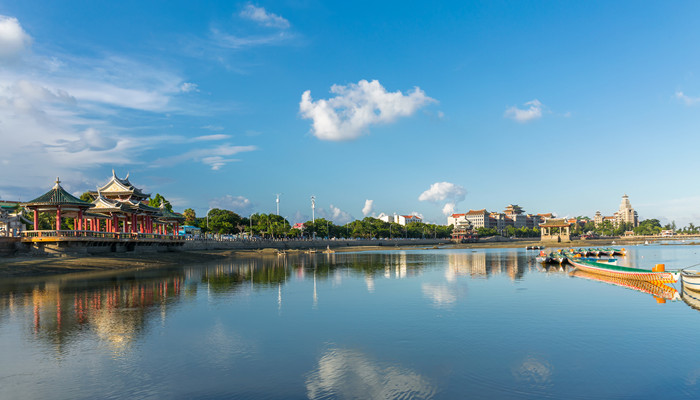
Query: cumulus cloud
[
  {"x": 237, "y": 204},
  {"x": 689, "y": 101},
  {"x": 13, "y": 39},
  {"x": 339, "y": 216},
  {"x": 367, "y": 209},
  {"x": 446, "y": 192},
  {"x": 357, "y": 106},
  {"x": 263, "y": 17},
  {"x": 532, "y": 112}
]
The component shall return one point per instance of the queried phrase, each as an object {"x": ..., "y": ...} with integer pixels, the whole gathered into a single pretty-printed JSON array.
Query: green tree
[
  {"x": 223, "y": 221},
  {"x": 87, "y": 197},
  {"x": 190, "y": 216},
  {"x": 158, "y": 200}
]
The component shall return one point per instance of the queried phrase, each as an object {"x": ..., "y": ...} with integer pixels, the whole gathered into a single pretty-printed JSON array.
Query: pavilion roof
[
  {"x": 117, "y": 185},
  {"x": 103, "y": 204},
  {"x": 169, "y": 215},
  {"x": 58, "y": 196},
  {"x": 137, "y": 205},
  {"x": 555, "y": 223}
]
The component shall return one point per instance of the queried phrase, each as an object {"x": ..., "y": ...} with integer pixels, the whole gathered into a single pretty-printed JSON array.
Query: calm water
[{"x": 395, "y": 324}]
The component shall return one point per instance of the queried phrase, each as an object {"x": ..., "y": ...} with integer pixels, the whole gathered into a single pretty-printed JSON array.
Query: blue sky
[{"x": 406, "y": 107}]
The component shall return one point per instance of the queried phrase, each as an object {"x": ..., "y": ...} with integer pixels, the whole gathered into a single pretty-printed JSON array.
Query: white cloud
[
  {"x": 367, "y": 209},
  {"x": 449, "y": 208},
  {"x": 357, "y": 106},
  {"x": 339, "y": 216},
  {"x": 208, "y": 138},
  {"x": 215, "y": 157},
  {"x": 263, "y": 17},
  {"x": 417, "y": 214},
  {"x": 533, "y": 112},
  {"x": 213, "y": 127},
  {"x": 238, "y": 204},
  {"x": 440, "y": 191},
  {"x": 447, "y": 192},
  {"x": 13, "y": 39},
  {"x": 187, "y": 87},
  {"x": 689, "y": 101},
  {"x": 230, "y": 41}
]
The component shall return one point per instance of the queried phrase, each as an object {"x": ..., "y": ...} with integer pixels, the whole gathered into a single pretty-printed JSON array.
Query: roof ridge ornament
[{"x": 58, "y": 183}]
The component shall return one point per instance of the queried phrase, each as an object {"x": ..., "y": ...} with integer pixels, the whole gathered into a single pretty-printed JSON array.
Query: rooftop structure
[{"x": 625, "y": 215}]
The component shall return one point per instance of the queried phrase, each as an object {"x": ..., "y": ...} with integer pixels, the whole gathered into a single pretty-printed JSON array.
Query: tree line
[{"x": 226, "y": 222}]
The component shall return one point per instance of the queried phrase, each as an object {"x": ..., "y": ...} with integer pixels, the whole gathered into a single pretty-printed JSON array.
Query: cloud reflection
[
  {"x": 534, "y": 371},
  {"x": 345, "y": 374}
]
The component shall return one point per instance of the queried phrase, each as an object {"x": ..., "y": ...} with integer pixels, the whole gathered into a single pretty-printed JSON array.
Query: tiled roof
[
  {"x": 58, "y": 196},
  {"x": 477, "y": 212}
]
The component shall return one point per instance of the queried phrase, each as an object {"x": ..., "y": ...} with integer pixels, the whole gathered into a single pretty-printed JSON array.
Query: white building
[{"x": 400, "y": 219}]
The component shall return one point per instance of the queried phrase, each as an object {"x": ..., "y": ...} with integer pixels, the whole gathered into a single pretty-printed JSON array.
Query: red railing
[{"x": 96, "y": 235}]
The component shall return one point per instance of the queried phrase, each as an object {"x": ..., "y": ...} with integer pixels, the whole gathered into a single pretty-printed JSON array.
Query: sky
[{"x": 371, "y": 107}]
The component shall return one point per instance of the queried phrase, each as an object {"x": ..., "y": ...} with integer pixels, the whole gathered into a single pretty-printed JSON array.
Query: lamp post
[{"x": 278, "y": 203}]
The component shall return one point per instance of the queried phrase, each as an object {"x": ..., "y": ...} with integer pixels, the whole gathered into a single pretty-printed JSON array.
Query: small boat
[
  {"x": 328, "y": 250},
  {"x": 534, "y": 248},
  {"x": 690, "y": 280},
  {"x": 657, "y": 275}
]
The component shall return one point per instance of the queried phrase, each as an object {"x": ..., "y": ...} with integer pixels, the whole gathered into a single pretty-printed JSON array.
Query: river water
[{"x": 434, "y": 323}]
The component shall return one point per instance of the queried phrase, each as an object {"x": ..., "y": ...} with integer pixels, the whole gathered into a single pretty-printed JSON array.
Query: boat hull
[
  {"x": 691, "y": 281},
  {"x": 624, "y": 272}
]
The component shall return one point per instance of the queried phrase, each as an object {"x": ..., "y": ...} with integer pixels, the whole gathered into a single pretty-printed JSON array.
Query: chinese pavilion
[{"x": 119, "y": 207}]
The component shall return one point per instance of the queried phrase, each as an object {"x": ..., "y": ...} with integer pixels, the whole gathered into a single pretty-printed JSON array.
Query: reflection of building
[{"x": 117, "y": 312}]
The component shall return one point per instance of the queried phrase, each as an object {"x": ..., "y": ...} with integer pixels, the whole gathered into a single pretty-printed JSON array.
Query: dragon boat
[{"x": 656, "y": 275}]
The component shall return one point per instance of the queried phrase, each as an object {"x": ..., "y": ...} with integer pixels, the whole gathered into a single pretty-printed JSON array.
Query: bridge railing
[{"x": 96, "y": 235}]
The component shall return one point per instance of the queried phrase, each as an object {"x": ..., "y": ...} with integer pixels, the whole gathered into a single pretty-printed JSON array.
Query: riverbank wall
[{"x": 10, "y": 247}]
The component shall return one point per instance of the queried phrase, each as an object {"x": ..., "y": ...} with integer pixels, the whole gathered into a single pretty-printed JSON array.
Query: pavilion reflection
[{"x": 116, "y": 308}]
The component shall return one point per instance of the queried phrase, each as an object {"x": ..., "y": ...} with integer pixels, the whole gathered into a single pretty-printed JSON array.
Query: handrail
[{"x": 96, "y": 235}]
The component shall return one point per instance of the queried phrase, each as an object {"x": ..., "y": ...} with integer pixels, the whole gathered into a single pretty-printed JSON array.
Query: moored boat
[
  {"x": 658, "y": 275},
  {"x": 690, "y": 280}
]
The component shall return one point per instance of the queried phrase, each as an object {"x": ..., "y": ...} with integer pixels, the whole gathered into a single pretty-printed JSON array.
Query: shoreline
[{"x": 32, "y": 266}]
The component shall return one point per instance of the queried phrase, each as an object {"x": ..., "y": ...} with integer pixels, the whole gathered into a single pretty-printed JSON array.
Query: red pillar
[
  {"x": 80, "y": 221},
  {"x": 36, "y": 219},
  {"x": 58, "y": 218}
]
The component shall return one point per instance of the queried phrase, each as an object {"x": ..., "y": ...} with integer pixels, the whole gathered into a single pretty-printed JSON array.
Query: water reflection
[
  {"x": 116, "y": 308},
  {"x": 659, "y": 291},
  {"x": 218, "y": 330},
  {"x": 349, "y": 374},
  {"x": 481, "y": 264}
]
